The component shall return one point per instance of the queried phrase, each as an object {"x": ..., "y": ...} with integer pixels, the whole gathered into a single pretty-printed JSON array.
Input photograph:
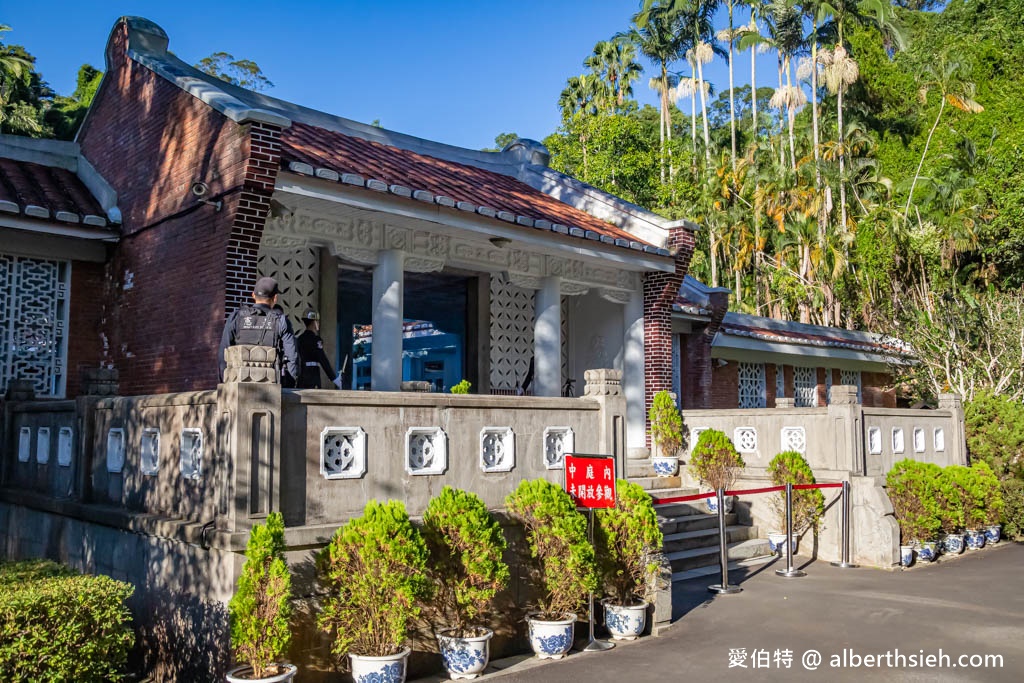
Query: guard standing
[
  {"x": 311, "y": 351},
  {"x": 260, "y": 325}
]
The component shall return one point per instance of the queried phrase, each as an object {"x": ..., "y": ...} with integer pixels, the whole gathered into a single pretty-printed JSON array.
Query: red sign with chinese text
[{"x": 590, "y": 480}]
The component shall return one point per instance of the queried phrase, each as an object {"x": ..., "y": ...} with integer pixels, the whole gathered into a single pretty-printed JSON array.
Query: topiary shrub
[
  {"x": 1013, "y": 508},
  {"x": 666, "y": 424},
  {"x": 557, "y": 533},
  {"x": 790, "y": 467},
  {"x": 462, "y": 387},
  {"x": 56, "y": 625},
  {"x": 952, "y": 500},
  {"x": 995, "y": 433},
  {"x": 466, "y": 547},
  {"x": 991, "y": 493},
  {"x": 911, "y": 485},
  {"x": 374, "y": 570},
  {"x": 714, "y": 460},
  {"x": 974, "y": 495},
  {"x": 260, "y": 609},
  {"x": 627, "y": 538}
]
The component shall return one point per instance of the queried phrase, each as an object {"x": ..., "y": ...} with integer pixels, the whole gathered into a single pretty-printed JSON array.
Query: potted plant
[
  {"x": 260, "y": 608},
  {"x": 993, "y": 492},
  {"x": 790, "y": 467},
  {"x": 716, "y": 463},
  {"x": 628, "y": 538},
  {"x": 465, "y": 546},
  {"x": 666, "y": 434},
  {"x": 557, "y": 534},
  {"x": 462, "y": 387},
  {"x": 951, "y": 501},
  {"x": 909, "y": 485},
  {"x": 374, "y": 570}
]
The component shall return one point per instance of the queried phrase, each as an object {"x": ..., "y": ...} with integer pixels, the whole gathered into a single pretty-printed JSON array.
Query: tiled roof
[
  {"x": 684, "y": 305},
  {"x": 47, "y": 192},
  {"x": 314, "y": 151},
  {"x": 785, "y": 332}
]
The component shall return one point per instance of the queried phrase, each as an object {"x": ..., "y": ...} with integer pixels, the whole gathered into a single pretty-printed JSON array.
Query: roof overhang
[
  {"x": 81, "y": 232},
  {"x": 748, "y": 349}
]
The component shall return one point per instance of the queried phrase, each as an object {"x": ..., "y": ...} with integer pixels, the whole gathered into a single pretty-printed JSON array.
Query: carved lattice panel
[
  {"x": 342, "y": 453},
  {"x": 149, "y": 451},
  {"x": 297, "y": 272},
  {"x": 745, "y": 439},
  {"x": 65, "y": 446},
  {"x": 918, "y": 440},
  {"x": 557, "y": 442},
  {"x": 780, "y": 382},
  {"x": 805, "y": 386},
  {"x": 566, "y": 371},
  {"x": 874, "y": 440},
  {"x": 851, "y": 378},
  {"x": 43, "y": 445},
  {"x": 511, "y": 333},
  {"x": 794, "y": 439},
  {"x": 190, "y": 456},
  {"x": 751, "y": 385},
  {"x": 33, "y": 322},
  {"x": 497, "y": 449},
  {"x": 426, "y": 450}
]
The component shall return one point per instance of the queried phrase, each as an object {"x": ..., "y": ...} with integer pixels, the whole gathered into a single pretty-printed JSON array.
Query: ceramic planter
[
  {"x": 389, "y": 669},
  {"x": 665, "y": 466},
  {"x": 993, "y": 533},
  {"x": 928, "y": 551},
  {"x": 953, "y": 544},
  {"x": 625, "y": 622},
  {"x": 907, "y": 555},
  {"x": 975, "y": 539},
  {"x": 464, "y": 657},
  {"x": 243, "y": 674},
  {"x": 777, "y": 543},
  {"x": 712, "y": 504},
  {"x": 551, "y": 639}
]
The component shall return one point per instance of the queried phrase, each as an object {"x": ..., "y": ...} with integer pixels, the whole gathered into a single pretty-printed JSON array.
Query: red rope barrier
[
  {"x": 767, "y": 489},
  {"x": 682, "y": 499},
  {"x": 802, "y": 487}
]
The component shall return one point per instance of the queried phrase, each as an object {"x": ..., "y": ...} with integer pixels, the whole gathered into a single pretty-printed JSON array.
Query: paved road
[{"x": 971, "y": 605}]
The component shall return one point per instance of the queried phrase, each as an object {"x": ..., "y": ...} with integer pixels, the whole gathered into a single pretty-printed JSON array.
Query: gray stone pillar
[
  {"x": 957, "y": 442},
  {"x": 329, "y": 309},
  {"x": 388, "y": 304},
  {"x": 547, "y": 338},
  {"x": 845, "y": 421},
  {"x": 785, "y": 402},
  {"x": 605, "y": 386},
  {"x": 633, "y": 376},
  {"x": 248, "y": 363}
]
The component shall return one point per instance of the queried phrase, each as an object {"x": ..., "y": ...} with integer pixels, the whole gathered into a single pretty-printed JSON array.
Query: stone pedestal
[
  {"x": 246, "y": 363},
  {"x": 100, "y": 382},
  {"x": 785, "y": 402},
  {"x": 20, "y": 390}
]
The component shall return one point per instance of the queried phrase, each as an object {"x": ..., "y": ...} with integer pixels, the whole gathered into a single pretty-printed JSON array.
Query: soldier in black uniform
[
  {"x": 311, "y": 351},
  {"x": 259, "y": 324}
]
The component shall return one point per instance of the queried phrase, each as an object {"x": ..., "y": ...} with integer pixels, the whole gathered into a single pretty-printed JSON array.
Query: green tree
[{"x": 244, "y": 73}]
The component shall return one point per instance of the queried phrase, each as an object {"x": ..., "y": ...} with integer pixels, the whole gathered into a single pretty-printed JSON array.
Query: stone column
[
  {"x": 633, "y": 375},
  {"x": 845, "y": 420},
  {"x": 547, "y": 338},
  {"x": 388, "y": 304},
  {"x": 329, "y": 309},
  {"x": 957, "y": 444},
  {"x": 605, "y": 386}
]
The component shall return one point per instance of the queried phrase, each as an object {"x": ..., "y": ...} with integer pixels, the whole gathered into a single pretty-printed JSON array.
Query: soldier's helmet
[{"x": 310, "y": 314}]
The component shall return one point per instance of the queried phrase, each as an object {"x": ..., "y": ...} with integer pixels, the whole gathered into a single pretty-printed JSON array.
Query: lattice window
[
  {"x": 897, "y": 440},
  {"x": 65, "y": 446},
  {"x": 24, "y": 444},
  {"x": 745, "y": 439},
  {"x": 426, "y": 450},
  {"x": 918, "y": 440},
  {"x": 497, "y": 449},
  {"x": 511, "y": 333},
  {"x": 751, "y": 385},
  {"x": 43, "y": 445},
  {"x": 874, "y": 440},
  {"x": 939, "y": 437},
  {"x": 780, "y": 382},
  {"x": 33, "y": 323},
  {"x": 851, "y": 378},
  {"x": 805, "y": 386},
  {"x": 115, "y": 450},
  {"x": 297, "y": 271},
  {"x": 149, "y": 451},
  {"x": 191, "y": 454},
  {"x": 794, "y": 439},
  {"x": 342, "y": 453},
  {"x": 557, "y": 442}
]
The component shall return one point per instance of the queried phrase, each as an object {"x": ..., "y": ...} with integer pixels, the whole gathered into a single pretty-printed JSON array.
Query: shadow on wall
[{"x": 181, "y": 638}]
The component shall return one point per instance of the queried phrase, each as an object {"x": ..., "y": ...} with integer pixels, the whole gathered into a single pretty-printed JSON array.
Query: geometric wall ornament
[
  {"x": 342, "y": 453},
  {"x": 24, "y": 444},
  {"x": 851, "y": 378},
  {"x": 426, "y": 450},
  {"x": 191, "y": 454},
  {"x": 794, "y": 439},
  {"x": 745, "y": 439},
  {"x": 805, "y": 385},
  {"x": 897, "y": 439},
  {"x": 557, "y": 442},
  {"x": 298, "y": 271},
  {"x": 149, "y": 451},
  {"x": 940, "y": 439},
  {"x": 511, "y": 332},
  {"x": 918, "y": 440},
  {"x": 874, "y": 440},
  {"x": 65, "y": 446},
  {"x": 115, "y": 450},
  {"x": 497, "y": 449},
  {"x": 43, "y": 445},
  {"x": 751, "y": 385}
]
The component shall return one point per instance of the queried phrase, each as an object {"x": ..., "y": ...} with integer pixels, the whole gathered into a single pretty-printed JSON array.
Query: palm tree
[
  {"x": 729, "y": 36},
  {"x": 841, "y": 71},
  {"x": 14, "y": 67},
  {"x": 785, "y": 29},
  {"x": 615, "y": 61},
  {"x": 948, "y": 78}
]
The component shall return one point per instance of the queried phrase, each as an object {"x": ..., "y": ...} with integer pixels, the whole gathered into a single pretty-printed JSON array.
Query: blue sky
[{"x": 454, "y": 71}]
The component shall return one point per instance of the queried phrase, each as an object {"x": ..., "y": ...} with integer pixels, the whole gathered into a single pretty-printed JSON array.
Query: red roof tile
[
  {"x": 322, "y": 148},
  {"x": 54, "y": 189},
  {"x": 837, "y": 339}
]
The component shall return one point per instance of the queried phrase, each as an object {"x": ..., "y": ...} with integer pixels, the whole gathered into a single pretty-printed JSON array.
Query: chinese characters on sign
[{"x": 590, "y": 480}]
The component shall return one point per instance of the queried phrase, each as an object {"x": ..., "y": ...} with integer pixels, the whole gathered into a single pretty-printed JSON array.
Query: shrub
[
  {"x": 995, "y": 432},
  {"x": 466, "y": 546},
  {"x": 462, "y": 387},
  {"x": 911, "y": 485},
  {"x": 714, "y": 460},
  {"x": 666, "y": 424},
  {"x": 374, "y": 571},
  {"x": 627, "y": 538},
  {"x": 261, "y": 606},
  {"x": 1013, "y": 507},
  {"x": 990, "y": 492},
  {"x": 790, "y": 467},
  {"x": 557, "y": 533},
  {"x": 952, "y": 500},
  {"x": 56, "y": 625},
  {"x": 974, "y": 495}
]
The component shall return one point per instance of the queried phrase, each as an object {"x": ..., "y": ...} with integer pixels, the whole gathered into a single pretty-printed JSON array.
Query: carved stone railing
[{"x": 247, "y": 363}]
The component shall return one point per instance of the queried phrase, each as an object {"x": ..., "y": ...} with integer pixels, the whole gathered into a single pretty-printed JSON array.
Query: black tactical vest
[{"x": 256, "y": 326}]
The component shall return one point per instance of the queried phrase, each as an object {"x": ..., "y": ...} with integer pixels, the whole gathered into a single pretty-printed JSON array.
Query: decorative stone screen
[
  {"x": 115, "y": 450},
  {"x": 751, "y": 385},
  {"x": 65, "y": 446},
  {"x": 33, "y": 323},
  {"x": 557, "y": 442},
  {"x": 24, "y": 444},
  {"x": 918, "y": 440},
  {"x": 497, "y": 449},
  {"x": 897, "y": 440},
  {"x": 43, "y": 445},
  {"x": 745, "y": 439},
  {"x": 794, "y": 439},
  {"x": 149, "y": 451},
  {"x": 851, "y": 378},
  {"x": 874, "y": 440},
  {"x": 511, "y": 333},
  {"x": 426, "y": 450},
  {"x": 191, "y": 454},
  {"x": 342, "y": 453},
  {"x": 805, "y": 385},
  {"x": 297, "y": 271},
  {"x": 780, "y": 382},
  {"x": 940, "y": 439}
]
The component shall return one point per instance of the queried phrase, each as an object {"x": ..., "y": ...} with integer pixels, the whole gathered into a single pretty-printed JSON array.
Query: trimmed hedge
[{"x": 56, "y": 625}]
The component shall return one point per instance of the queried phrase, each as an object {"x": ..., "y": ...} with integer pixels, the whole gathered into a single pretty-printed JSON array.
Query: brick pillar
[{"x": 660, "y": 292}]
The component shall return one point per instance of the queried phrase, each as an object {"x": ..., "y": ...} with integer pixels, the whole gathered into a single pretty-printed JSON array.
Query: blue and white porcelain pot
[
  {"x": 389, "y": 669},
  {"x": 953, "y": 544},
  {"x": 625, "y": 622},
  {"x": 665, "y": 466},
  {"x": 975, "y": 539},
  {"x": 777, "y": 543},
  {"x": 551, "y": 639},
  {"x": 993, "y": 533},
  {"x": 464, "y": 657},
  {"x": 906, "y": 555},
  {"x": 928, "y": 552},
  {"x": 243, "y": 674},
  {"x": 712, "y": 504}
]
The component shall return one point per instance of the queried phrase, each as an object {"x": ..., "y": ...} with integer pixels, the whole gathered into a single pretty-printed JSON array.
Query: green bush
[
  {"x": 666, "y": 424},
  {"x": 627, "y": 538},
  {"x": 953, "y": 500},
  {"x": 462, "y": 387},
  {"x": 261, "y": 606},
  {"x": 56, "y": 625},
  {"x": 1013, "y": 508},
  {"x": 990, "y": 494},
  {"x": 466, "y": 546},
  {"x": 995, "y": 433},
  {"x": 714, "y": 460},
  {"x": 374, "y": 569},
  {"x": 557, "y": 533},
  {"x": 912, "y": 488},
  {"x": 975, "y": 495},
  {"x": 790, "y": 467}
]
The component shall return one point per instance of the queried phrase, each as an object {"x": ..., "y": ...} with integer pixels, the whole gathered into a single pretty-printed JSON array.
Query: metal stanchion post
[
  {"x": 595, "y": 645},
  {"x": 789, "y": 572},
  {"x": 845, "y": 563},
  {"x": 723, "y": 588}
]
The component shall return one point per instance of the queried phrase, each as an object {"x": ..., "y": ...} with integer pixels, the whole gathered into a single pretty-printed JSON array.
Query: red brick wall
[
  {"x": 877, "y": 390},
  {"x": 85, "y": 334},
  {"x": 725, "y": 383},
  {"x": 180, "y": 265},
  {"x": 769, "y": 384}
]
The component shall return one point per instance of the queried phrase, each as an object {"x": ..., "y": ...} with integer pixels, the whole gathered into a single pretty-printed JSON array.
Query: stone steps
[
  {"x": 706, "y": 538},
  {"x": 671, "y": 525},
  {"x": 714, "y": 570},
  {"x": 694, "y": 558},
  {"x": 659, "y": 485}
]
